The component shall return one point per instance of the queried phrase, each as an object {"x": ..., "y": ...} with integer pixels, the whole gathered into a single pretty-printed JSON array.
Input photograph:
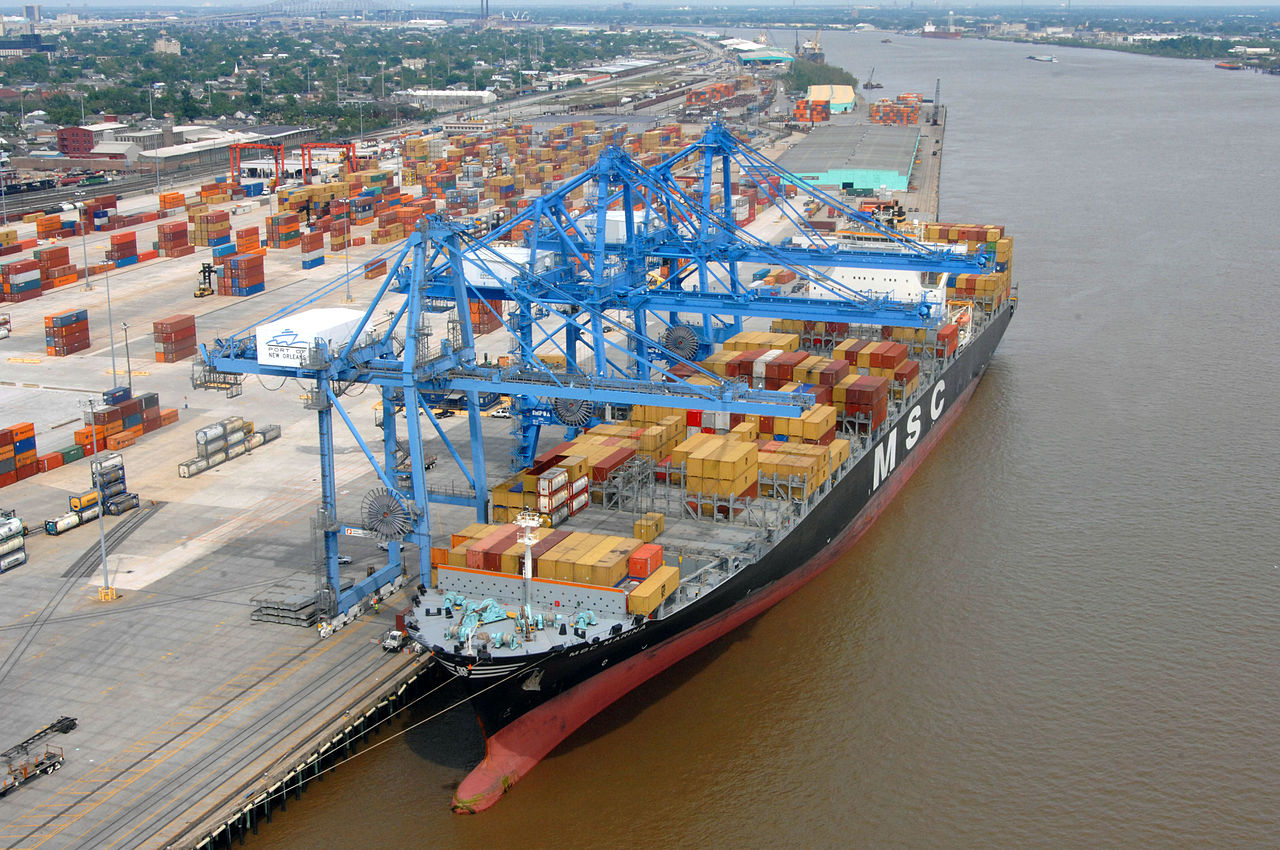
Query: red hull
[{"x": 516, "y": 748}]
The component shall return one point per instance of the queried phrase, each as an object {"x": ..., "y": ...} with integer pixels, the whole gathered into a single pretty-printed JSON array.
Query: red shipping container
[
  {"x": 178, "y": 336},
  {"x": 644, "y": 560},
  {"x": 601, "y": 471}
]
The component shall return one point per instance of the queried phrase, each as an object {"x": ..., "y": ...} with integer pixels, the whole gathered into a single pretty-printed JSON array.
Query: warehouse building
[{"x": 856, "y": 159}]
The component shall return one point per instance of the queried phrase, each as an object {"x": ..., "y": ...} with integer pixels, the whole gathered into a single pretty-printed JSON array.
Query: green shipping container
[{"x": 71, "y": 453}]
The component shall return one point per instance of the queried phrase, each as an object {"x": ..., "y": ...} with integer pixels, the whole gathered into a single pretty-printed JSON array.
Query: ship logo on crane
[{"x": 285, "y": 337}]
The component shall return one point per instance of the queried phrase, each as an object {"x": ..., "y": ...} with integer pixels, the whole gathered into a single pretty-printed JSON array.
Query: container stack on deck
[
  {"x": 904, "y": 110},
  {"x": 66, "y": 332},
  {"x": 174, "y": 337},
  {"x": 990, "y": 290}
]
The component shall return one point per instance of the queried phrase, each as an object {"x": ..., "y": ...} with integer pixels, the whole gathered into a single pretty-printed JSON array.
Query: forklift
[{"x": 205, "y": 285}]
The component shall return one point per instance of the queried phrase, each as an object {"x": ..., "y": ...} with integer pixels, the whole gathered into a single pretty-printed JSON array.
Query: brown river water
[{"x": 1063, "y": 633}]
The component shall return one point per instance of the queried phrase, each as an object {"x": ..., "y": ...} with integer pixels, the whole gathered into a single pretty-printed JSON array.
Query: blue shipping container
[
  {"x": 219, "y": 240},
  {"x": 115, "y": 395},
  {"x": 69, "y": 318}
]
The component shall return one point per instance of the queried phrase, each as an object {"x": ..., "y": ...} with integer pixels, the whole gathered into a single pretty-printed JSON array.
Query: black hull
[{"x": 500, "y": 700}]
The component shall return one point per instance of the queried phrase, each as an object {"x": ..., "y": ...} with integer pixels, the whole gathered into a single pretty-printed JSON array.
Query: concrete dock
[{"x": 179, "y": 695}]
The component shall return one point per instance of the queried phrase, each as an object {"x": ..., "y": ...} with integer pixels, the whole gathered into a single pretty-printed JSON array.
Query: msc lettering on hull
[{"x": 886, "y": 453}]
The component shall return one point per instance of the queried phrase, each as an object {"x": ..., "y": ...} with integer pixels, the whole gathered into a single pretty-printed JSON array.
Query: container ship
[
  {"x": 949, "y": 30},
  {"x": 621, "y": 551}
]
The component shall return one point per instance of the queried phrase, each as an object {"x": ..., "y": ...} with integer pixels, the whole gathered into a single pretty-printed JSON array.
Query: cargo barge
[{"x": 672, "y": 528}]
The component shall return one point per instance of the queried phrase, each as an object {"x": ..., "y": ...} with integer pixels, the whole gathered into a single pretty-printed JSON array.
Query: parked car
[{"x": 501, "y": 413}]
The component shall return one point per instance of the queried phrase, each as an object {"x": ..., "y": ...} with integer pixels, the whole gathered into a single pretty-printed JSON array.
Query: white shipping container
[
  {"x": 13, "y": 544},
  {"x": 17, "y": 559},
  {"x": 757, "y": 368},
  {"x": 9, "y": 526},
  {"x": 210, "y": 434},
  {"x": 66, "y": 522}
]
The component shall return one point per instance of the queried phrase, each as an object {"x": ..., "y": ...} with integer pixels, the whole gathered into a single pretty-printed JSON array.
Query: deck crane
[{"x": 572, "y": 280}]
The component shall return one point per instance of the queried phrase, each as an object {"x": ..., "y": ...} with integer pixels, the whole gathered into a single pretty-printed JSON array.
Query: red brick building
[{"x": 75, "y": 141}]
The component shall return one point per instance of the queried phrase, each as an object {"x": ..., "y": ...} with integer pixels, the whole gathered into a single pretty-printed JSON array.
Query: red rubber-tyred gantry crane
[
  {"x": 347, "y": 148},
  {"x": 276, "y": 150}
]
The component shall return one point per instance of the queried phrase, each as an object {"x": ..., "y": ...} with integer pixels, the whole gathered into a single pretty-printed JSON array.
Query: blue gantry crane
[{"x": 628, "y": 291}]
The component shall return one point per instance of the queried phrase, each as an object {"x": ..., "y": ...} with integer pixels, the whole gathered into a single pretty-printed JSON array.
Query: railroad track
[
  {"x": 92, "y": 557},
  {"x": 131, "y": 823}
]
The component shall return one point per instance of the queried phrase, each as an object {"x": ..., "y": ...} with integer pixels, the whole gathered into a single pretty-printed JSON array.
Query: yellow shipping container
[{"x": 651, "y": 592}]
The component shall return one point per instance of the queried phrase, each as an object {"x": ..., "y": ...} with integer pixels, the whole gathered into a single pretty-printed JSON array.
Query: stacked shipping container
[
  {"x": 212, "y": 228},
  {"x": 312, "y": 245},
  {"x": 172, "y": 239},
  {"x": 244, "y": 274},
  {"x": 21, "y": 280},
  {"x": 174, "y": 337},
  {"x": 66, "y": 333},
  {"x": 18, "y": 460}
]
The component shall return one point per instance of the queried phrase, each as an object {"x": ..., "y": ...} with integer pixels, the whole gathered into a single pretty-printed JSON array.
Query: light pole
[
  {"x": 97, "y": 483},
  {"x": 361, "y": 103},
  {"x": 128, "y": 364},
  {"x": 106, "y": 281}
]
